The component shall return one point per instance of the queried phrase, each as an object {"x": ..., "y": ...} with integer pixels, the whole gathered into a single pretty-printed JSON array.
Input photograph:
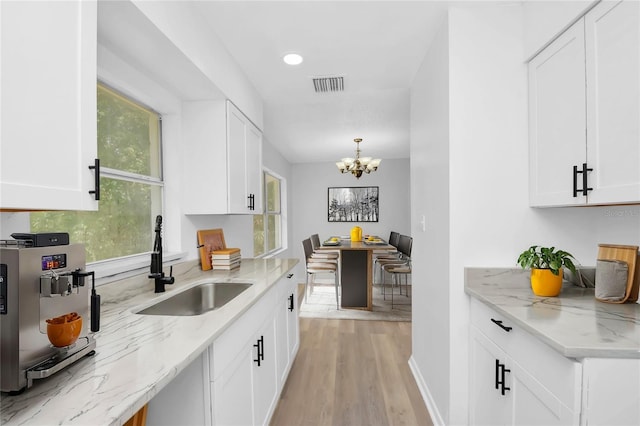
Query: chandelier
[{"x": 358, "y": 165}]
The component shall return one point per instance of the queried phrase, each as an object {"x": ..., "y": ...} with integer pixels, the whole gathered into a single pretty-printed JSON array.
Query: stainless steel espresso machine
[{"x": 37, "y": 283}]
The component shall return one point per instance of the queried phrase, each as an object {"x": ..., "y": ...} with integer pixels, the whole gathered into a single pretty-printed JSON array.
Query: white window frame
[{"x": 283, "y": 213}]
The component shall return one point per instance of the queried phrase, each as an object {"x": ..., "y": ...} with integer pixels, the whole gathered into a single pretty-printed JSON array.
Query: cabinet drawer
[
  {"x": 494, "y": 325},
  {"x": 560, "y": 375},
  {"x": 236, "y": 339}
]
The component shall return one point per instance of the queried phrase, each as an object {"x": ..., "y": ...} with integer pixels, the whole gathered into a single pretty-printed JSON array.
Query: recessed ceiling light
[{"x": 292, "y": 59}]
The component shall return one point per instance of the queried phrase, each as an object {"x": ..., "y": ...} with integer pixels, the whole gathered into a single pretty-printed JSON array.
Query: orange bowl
[{"x": 64, "y": 330}]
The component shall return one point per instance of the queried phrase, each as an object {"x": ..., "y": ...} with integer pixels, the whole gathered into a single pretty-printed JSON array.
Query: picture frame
[{"x": 353, "y": 204}]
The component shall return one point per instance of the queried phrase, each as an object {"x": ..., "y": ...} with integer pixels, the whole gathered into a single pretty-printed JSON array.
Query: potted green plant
[{"x": 546, "y": 268}]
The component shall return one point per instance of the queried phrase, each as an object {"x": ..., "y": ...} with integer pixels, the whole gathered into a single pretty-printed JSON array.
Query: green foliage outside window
[
  {"x": 266, "y": 227},
  {"x": 131, "y": 189}
]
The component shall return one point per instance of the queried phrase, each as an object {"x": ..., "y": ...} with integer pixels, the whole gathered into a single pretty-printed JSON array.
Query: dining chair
[
  {"x": 386, "y": 253},
  {"x": 314, "y": 266},
  {"x": 324, "y": 253},
  {"x": 397, "y": 272},
  {"x": 401, "y": 259}
]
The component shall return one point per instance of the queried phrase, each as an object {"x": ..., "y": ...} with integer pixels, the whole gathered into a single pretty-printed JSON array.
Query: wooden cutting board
[
  {"x": 628, "y": 254},
  {"x": 208, "y": 241}
]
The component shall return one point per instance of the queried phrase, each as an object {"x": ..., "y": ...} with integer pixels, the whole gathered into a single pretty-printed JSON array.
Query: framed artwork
[
  {"x": 208, "y": 241},
  {"x": 353, "y": 204}
]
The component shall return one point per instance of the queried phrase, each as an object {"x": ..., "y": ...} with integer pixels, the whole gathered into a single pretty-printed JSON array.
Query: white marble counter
[
  {"x": 136, "y": 355},
  {"x": 573, "y": 323}
]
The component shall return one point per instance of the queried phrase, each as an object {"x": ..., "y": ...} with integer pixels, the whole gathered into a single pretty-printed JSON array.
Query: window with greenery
[
  {"x": 129, "y": 148},
  {"x": 267, "y": 236}
]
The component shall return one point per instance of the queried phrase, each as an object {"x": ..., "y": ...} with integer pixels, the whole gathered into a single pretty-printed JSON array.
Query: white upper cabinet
[
  {"x": 244, "y": 144},
  {"x": 48, "y": 84},
  {"x": 584, "y": 111},
  {"x": 222, "y": 160},
  {"x": 612, "y": 32},
  {"x": 556, "y": 118}
]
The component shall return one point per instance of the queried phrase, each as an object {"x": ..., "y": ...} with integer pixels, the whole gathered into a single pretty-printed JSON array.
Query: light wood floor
[{"x": 351, "y": 373}]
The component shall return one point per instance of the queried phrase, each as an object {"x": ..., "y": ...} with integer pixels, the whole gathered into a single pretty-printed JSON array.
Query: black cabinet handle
[
  {"x": 96, "y": 177},
  {"x": 291, "y": 303},
  {"x": 502, "y": 326},
  {"x": 500, "y": 377},
  {"x": 252, "y": 202},
  {"x": 289, "y": 276},
  {"x": 259, "y": 350},
  {"x": 585, "y": 187}
]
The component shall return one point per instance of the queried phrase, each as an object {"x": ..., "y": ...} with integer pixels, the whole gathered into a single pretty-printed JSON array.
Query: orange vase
[{"x": 545, "y": 283}]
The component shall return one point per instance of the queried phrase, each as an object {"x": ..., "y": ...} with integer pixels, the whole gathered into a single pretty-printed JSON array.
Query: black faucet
[{"x": 156, "y": 260}]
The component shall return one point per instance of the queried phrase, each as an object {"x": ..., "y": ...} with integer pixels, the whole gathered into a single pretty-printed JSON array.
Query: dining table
[{"x": 356, "y": 269}]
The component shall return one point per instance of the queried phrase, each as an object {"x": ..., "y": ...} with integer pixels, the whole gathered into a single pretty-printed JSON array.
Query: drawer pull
[
  {"x": 502, "y": 326},
  {"x": 291, "y": 303}
]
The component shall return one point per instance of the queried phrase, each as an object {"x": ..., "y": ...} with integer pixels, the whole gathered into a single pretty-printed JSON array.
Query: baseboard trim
[{"x": 436, "y": 418}]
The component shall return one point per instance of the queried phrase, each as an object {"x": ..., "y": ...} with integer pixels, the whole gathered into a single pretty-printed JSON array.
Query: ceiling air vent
[{"x": 328, "y": 84}]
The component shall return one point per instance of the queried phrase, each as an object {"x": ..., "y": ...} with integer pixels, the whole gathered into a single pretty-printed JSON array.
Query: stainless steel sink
[{"x": 197, "y": 300}]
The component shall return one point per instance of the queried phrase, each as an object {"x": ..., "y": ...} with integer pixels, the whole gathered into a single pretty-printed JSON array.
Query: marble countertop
[
  {"x": 573, "y": 323},
  {"x": 137, "y": 355}
]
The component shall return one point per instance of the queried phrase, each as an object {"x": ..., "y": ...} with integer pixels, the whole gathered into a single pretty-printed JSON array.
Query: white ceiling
[{"x": 376, "y": 45}]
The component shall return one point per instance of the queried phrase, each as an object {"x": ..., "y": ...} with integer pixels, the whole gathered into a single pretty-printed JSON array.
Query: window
[
  {"x": 129, "y": 148},
  {"x": 267, "y": 234}
]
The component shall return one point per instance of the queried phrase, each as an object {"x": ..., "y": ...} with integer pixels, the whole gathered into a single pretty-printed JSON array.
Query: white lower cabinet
[
  {"x": 245, "y": 392},
  {"x": 238, "y": 379},
  {"x": 516, "y": 380},
  {"x": 250, "y": 361}
]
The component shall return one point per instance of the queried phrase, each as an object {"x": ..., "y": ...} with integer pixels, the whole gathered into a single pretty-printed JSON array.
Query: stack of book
[{"x": 228, "y": 258}]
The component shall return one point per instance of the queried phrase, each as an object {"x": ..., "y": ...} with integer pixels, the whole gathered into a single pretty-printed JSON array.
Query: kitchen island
[
  {"x": 549, "y": 360},
  {"x": 138, "y": 355}
]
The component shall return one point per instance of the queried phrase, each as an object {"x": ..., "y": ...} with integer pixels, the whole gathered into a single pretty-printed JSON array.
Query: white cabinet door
[
  {"x": 293, "y": 323},
  {"x": 245, "y": 393},
  {"x": 613, "y": 101},
  {"x": 236, "y": 160},
  {"x": 264, "y": 374},
  {"x": 487, "y": 404},
  {"x": 232, "y": 393},
  {"x": 48, "y": 83},
  {"x": 557, "y": 120},
  {"x": 244, "y": 162},
  {"x": 287, "y": 327},
  {"x": 254, "y": 173}
]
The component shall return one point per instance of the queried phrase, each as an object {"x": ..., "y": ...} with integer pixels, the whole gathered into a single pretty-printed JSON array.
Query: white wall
[
  {"x": 309, "y": 193},
  {"x": 490, "y": 222},
  {"x": 431, "y": 246},
  {"x": 181, "y": 24}
]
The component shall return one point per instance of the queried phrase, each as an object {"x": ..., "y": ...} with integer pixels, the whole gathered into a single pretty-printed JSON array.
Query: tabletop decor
[
  {"x": 353, "y": 204},
  {"x": 546, "y": 268}
]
